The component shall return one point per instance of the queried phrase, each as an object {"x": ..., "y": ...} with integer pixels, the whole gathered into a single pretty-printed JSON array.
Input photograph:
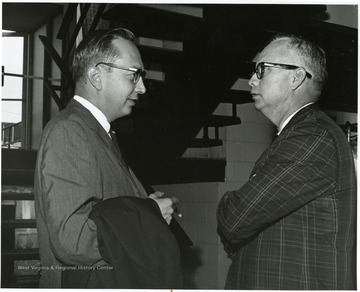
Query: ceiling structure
[{"x": 27, "y": 17}]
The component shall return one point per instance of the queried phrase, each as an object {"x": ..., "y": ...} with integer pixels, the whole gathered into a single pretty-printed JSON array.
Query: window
[{"x": 14, "y": 94}]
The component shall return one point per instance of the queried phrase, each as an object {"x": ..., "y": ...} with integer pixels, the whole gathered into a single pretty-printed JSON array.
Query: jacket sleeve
[
  {"x": 70, "y": 184},
  {"x": 292, "y": 172}
]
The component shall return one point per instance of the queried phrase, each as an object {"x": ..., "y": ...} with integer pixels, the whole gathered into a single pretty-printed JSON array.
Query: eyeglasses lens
[
  {"x": 139, "y": 73},
  {"x": 136, "y": 76},
  {"x": 259, "y": 71}
]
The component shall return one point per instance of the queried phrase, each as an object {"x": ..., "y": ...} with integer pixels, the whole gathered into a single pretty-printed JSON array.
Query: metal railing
[{"x": 9, "y": 137}]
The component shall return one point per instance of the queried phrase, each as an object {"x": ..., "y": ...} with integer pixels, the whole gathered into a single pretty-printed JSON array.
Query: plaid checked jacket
[{"x": 293, "y": 224}]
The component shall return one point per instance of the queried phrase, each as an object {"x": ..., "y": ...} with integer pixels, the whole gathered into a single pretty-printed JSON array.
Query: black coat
[{"x": 138, "y": 245}]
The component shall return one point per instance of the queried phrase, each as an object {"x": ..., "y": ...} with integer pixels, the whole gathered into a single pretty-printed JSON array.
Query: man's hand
[{"x": 166, "y": 205}]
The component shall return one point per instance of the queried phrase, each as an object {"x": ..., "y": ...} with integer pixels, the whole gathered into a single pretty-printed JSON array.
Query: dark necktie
[
  {"x": 274, "y": 138},
  {"x": 113, "y": 138}
]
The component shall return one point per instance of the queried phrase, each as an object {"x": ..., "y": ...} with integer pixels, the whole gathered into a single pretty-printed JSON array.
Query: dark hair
[
  {"x": 97, "y": 47},
  {"x": 314, "y": 57}
]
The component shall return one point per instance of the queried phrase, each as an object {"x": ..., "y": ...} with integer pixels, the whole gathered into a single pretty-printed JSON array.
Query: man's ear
[
  {"x": 94, "y": 76},
  {"x": 298, "y": 78}
]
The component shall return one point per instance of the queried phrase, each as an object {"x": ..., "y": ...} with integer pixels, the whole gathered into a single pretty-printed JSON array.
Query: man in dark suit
[
  {"x": 78, "y": 164},
  {"x": 292, "y": 225}
]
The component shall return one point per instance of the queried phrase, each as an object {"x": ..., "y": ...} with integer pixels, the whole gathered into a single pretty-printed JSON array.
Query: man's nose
[
  {"x": 140, "y": 86},
  {"x": 253, "y": 80}
]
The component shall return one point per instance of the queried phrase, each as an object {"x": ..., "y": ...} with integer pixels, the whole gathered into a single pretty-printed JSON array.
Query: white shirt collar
[
  {"x": 282, "y": 126},
  {"x": 98, "y": 114}
]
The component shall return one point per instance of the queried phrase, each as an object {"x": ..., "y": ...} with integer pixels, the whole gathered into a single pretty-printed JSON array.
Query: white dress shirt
[{"x": 98, "y": 114}]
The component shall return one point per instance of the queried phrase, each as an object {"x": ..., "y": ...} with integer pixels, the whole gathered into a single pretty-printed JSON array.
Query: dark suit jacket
[
  {"x": 137, "y": 244},
  {"x": 78, "y": 166},
  {"x": 293, "y": 224}
]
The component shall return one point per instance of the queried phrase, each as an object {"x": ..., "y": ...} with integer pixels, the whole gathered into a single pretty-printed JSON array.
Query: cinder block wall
[
  {"x": 198, "y": 203},
  {"x": 243, "y": 144}
]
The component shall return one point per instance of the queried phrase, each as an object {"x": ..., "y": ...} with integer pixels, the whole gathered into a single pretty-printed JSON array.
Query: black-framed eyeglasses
[
  {"x": 137, "y": 73},
  {"x": 260, "y": 69}
]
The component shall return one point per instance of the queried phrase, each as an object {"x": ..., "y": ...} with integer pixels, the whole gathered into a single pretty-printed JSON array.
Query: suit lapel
[
  {"x": 299, "y": 116},
  {"x": 99, "y": 131}
]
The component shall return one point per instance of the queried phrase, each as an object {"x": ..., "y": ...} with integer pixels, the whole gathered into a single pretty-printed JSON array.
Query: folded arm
[{"x": 300, "y": 169}]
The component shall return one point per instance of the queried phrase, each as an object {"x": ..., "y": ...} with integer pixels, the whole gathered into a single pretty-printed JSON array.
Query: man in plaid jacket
[{"x": 292, "y": 225}]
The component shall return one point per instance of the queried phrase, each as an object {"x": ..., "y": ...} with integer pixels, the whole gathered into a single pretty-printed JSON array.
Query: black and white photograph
[{"x": 179, "y": 146}]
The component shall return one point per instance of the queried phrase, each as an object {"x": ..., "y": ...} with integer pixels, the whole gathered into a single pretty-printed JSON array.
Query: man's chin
[
  {"x": 257, "y": 105},
  {"x": 124, "y": 113},
  {"x": 131, "y": 102}
]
